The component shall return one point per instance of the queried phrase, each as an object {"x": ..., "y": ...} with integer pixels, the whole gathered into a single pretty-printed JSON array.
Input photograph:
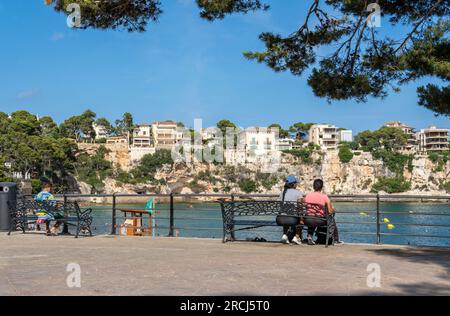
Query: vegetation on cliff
[
  {"x": 391, "y": 185},
  {"x": 384, "y": 145},
  {"x": 345, "y": 153},
  {"x": 94, "y": 169},
  {"x": 439, "y": 159},
  {"x": 305, "y": 154},
  {"x": 40, "y": 148}
]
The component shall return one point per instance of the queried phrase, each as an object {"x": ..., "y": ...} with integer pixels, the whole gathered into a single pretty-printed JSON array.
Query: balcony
[
  {"x": 329, "y": 136},
  {"x": 436, "y": 135},
  {"x": 442, "y": 141}
]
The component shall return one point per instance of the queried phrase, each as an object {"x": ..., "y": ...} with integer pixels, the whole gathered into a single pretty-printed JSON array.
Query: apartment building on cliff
[
  {"x": 166, "y": 135},
  {"x": 325, "y": 136},
  {"x": 410, "y": 132},
  {"x": 433, "y": 139},
  {"x": 142, "y": 136}
]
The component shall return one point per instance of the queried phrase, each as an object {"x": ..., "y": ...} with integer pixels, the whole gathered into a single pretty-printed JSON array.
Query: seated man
[{"x": 322, "y": 200}]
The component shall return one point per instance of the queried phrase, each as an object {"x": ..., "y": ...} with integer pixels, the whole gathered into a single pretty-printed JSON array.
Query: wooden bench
[
  {"x": 23, "y": 213},
  {"x": 243, "y": 215}
]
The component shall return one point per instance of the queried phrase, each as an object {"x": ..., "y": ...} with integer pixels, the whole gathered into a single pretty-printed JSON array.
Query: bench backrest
[
  {"x": 262, "y": 208},
  {"x": 25, "y": 206}
]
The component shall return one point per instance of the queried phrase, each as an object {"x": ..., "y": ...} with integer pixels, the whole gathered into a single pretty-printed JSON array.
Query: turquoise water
[{"x": 205, "y": 220}]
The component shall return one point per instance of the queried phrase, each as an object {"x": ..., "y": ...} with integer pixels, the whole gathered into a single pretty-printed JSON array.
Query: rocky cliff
[{"x": 355, "y": 177}]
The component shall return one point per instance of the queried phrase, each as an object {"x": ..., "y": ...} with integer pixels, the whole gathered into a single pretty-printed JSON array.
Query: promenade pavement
[{"x": 36, "y": 265}]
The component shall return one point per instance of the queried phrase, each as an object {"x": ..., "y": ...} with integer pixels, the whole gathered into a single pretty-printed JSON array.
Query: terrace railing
[{"x": 376, "y": 213}]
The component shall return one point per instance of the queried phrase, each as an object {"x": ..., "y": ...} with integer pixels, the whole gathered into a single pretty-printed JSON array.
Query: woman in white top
[{"x": 291, "y": 194}]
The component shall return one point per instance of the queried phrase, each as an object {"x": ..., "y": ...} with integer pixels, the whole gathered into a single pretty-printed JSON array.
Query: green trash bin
[{"x": 8, "y": 192}]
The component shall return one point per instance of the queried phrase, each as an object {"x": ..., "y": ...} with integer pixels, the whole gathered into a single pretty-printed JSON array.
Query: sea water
[{"x": 205, "y": 221}]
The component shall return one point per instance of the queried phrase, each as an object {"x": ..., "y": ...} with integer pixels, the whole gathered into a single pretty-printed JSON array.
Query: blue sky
[{"x": 182, "y": 68}]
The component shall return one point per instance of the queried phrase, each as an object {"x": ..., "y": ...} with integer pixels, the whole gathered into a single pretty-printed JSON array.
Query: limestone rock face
[
  {"x": 84, "y": 188},
  {"x": 356, "y": 177},
  {"x": 119, "y": 154}
]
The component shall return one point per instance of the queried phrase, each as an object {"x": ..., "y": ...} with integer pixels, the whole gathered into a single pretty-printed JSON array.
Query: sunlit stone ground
[{"x": 36, "y": 265}]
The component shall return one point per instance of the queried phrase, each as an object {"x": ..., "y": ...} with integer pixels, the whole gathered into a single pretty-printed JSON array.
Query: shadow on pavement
[{"x": 436, "y": 256}]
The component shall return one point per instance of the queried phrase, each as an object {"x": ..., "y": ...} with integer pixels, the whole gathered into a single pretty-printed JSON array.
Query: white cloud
[
  {"x": 27, "y": 94},
  {"x": 57, "y": 36}
]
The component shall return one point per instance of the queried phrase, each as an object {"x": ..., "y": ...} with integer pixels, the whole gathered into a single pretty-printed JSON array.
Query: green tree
[
  {"x": 301, "y": 129},
  {"x": 149, "y": 164},
  {"x": 3, "y": 171},
  {"x": 77, "y": 127},
  {"x": 224, "y": 124},
  {"x": 134, "y": 15},
  {"x": 71, "y": 128},
  {"x": 87, "y": 122},
  {"x": 124, "y": 125},
  {"x": 24, "y": 122},
  {"x": 392, "y": 185},
  {"x": 345, "y": 154},
  {"x": 305, "y": 154},
  {"x": 4, "y": 123},
  {"x": 446, "y": 186},
  {"x": 282, "y": 132},
  {"x": 105, "y": 124},
  {"x": 94, "y": 169},
  {"x": 389, "y": 138},
  {"x": 48, "y": 126},
  {"x": 248, "y": 186}
]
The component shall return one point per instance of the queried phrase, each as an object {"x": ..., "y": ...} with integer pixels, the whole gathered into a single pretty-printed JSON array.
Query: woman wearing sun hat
[{"x": 291, "y": 194}]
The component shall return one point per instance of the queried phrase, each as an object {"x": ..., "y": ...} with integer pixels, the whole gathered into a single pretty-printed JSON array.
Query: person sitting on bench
[
  {"x": 291, "y": 194},
  {"x": 44, "y": 217},
  {"x": 321, "y": 199}
]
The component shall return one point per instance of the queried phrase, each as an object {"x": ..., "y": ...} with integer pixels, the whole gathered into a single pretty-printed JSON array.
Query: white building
[
  {"x": 256, "y": 146},
  {"x": 268, "y": 162},
  {"x": 212, "y": 136},
  {"x": 100, "y": 131},
  {"x": 117, "y": 140},
  {"x": 285, "y": 144},
  {"x": 345, "y": 135},
  {"x": 433, "y": 139},
  {"x": 166, "y": 135},
  {"x": 325, "y": 136},
  {"x": 142, "y": 136},
  {"x": 257, "y": 140}
]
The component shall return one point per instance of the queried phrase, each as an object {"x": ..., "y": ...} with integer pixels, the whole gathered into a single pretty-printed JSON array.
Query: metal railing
[{"x": 377, "y": 199}]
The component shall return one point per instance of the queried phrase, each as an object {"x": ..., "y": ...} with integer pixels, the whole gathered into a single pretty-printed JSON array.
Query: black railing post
[
  {"x": 171, "y": 225},
  {"x": 65, "y": 230},
  {"x": 378, "y": 220},
  {"x": 232, "y": 215},
  {"x": 113, "y": 219}
]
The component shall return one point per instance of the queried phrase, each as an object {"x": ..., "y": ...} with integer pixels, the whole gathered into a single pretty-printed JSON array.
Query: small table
[{"x": 134, "y": 223}]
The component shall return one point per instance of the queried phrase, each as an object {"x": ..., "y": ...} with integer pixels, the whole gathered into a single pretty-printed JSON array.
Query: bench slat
[
  {"x": 254, "y": 223},
  {"x": 69, "y": 219}
]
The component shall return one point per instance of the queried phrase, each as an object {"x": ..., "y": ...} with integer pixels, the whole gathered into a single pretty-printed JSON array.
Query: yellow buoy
[
  {"x": 386, "y": 220},
  {"x": 363, "y": 213},
  {"x": 390, "y": 226}
]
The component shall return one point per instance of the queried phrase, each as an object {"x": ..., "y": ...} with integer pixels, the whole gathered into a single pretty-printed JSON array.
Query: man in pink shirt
[{"x": 320, "y": 203}]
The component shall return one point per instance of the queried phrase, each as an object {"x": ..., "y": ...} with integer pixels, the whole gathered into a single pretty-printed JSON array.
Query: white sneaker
[
  {"x": 311, "y": 241},
  {"x": 297, "y": 241},
  {"x": 285, "y": 240}
]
